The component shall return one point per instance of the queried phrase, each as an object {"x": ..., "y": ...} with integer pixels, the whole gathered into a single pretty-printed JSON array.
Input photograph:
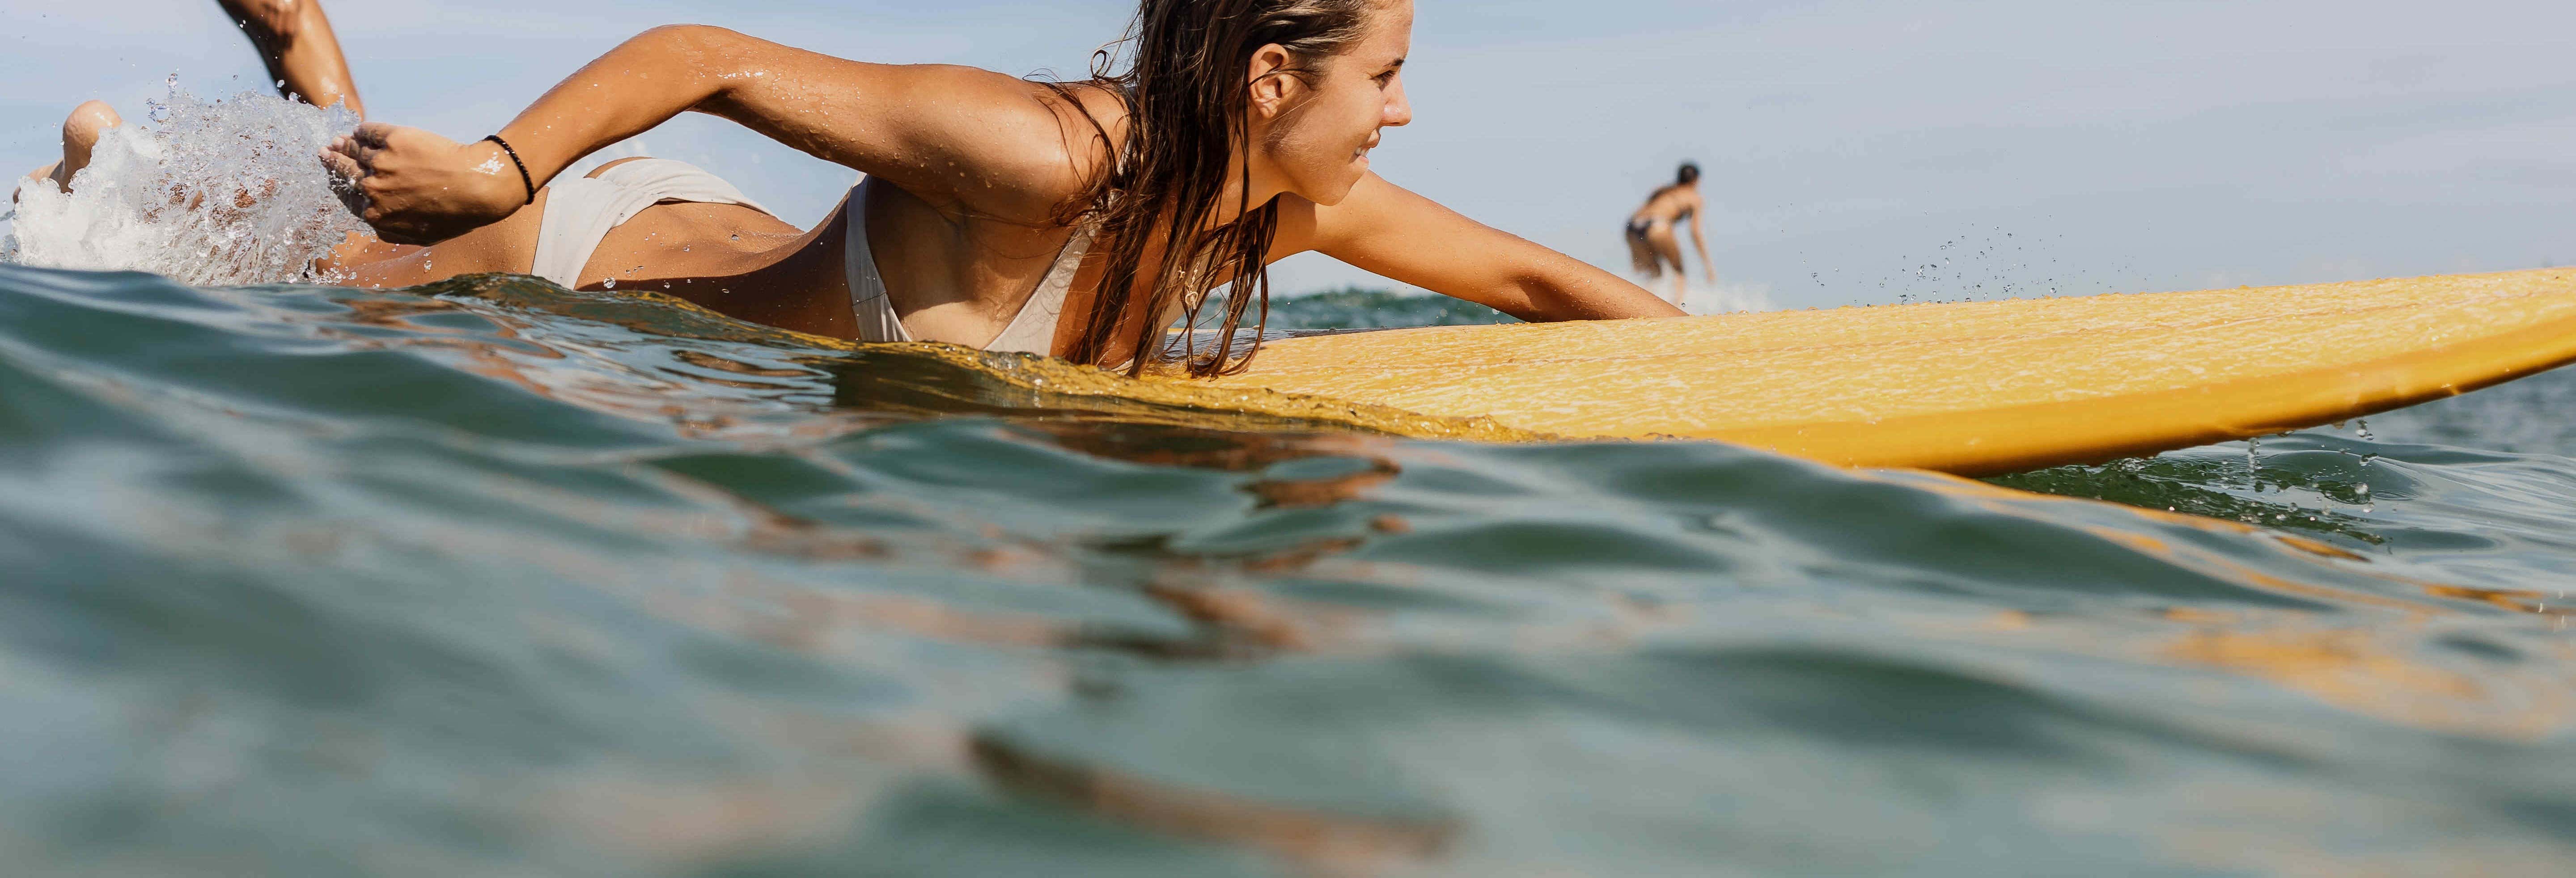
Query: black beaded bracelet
[{"x": 524, "y": 177}]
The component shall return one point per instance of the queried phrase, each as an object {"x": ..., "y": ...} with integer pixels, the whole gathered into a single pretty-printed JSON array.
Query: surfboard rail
[{"x": 1973, "y": 388}]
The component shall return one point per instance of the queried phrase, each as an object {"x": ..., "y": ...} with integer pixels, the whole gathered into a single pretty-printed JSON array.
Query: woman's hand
[{"x": 415, "y": 187}]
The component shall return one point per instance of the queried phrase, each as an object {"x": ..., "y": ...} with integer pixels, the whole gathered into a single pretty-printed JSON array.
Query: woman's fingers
[
  {"x": 344, "y": 170},
  {"x": 374, "y": 134},
  {"x": 342, "y": 155},
  {"x": 367, "y": 143}
]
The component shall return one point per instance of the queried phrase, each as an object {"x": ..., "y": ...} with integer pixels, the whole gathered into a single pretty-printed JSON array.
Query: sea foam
[{"x": 208, "y": 193}]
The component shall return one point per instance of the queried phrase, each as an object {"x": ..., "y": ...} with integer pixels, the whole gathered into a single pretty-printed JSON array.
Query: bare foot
[
  {"x": 269, "y": 22},
  {"x": 295, "y": 39},
  {"x": 81, "y": 131}
]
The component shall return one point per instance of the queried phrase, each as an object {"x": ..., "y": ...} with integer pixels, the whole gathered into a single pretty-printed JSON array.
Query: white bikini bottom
[{"x": 580, "y": 212}]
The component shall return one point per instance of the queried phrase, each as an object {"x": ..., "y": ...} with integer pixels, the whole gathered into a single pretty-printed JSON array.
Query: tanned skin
[
  {"x": 967, "y": 170},
  {"x": 302, "y": 52}
]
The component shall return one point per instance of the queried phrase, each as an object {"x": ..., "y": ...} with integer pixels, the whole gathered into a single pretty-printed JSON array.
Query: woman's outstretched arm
[
  {"x": 1384, "y": 229},
  {"x": 980, "y": 140},
  {"x": 1699, "y": 239}
]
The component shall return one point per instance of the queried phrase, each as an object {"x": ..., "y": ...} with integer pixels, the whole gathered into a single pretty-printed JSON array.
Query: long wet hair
[{"x": 1189, "y": 106}]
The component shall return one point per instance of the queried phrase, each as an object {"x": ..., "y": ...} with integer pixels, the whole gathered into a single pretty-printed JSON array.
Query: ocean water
[
  {"x": 492, "y": 578},
  {"x": 1355, "y": 307}
]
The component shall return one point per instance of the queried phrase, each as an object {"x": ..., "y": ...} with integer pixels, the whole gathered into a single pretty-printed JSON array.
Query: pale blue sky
[{"x": 2099, "y": 145}]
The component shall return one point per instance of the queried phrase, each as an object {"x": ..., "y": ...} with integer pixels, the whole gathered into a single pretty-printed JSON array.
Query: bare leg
[
  {"x": 506, "y": 246},
  {"x": 1641, "y": 254},
  {"x": 1668, "y": 248},
  {"x": 295, "y": 39}
]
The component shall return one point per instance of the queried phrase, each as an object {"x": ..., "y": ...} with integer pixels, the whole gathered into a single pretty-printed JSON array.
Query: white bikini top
[{"x": 1030, "y": 331}]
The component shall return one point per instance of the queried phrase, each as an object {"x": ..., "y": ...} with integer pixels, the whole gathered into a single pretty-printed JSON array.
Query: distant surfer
[
  {"x": 1077, "y": 219},
  {"x": 1651, "y": 240}
]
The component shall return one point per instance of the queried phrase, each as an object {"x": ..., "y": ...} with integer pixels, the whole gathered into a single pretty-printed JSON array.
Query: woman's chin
[{"x": 1334, "y": 192}]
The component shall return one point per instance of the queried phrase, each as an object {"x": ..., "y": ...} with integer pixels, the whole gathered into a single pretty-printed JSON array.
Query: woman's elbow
[
  {"x": 695, "y": 41},
  {"x": 702, "y": 57}
]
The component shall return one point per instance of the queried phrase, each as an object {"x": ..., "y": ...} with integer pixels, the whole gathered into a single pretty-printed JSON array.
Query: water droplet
[
  {"x": 2254, "y": 463},
  {"x": 610, "y": 283}
]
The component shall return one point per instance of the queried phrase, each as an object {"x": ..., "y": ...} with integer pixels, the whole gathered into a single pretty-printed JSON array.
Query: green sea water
[{"x": 490, "y": 578}]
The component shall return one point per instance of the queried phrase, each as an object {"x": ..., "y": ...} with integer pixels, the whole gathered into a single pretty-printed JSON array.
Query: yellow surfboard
[{"x": 1968, "y": 388}]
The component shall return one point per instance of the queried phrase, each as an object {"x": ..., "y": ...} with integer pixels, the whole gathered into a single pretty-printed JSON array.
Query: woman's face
[{"x": 1315, "y": 139}]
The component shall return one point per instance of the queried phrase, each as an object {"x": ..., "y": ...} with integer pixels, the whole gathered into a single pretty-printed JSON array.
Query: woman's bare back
[{"x": 1669, "y": 204}]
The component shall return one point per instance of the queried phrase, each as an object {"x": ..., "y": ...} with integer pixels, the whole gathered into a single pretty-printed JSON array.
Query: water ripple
[{"x": 494, "y": 578}]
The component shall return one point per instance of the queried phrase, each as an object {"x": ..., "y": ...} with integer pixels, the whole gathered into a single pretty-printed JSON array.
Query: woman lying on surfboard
[{"x": 1076, "y": 219}]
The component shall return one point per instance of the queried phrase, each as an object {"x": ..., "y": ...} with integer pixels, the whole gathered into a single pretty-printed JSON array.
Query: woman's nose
[{"x": 1399, "y": 111}]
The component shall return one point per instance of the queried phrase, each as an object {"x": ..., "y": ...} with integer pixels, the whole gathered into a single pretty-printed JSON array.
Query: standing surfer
[{"x": 1651, "y": 241}]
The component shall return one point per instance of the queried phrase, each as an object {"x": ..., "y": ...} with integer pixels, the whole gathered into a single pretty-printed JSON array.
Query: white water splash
[
  {"x": 1722, "y": 298},
  {"x": 208, "y": 193}
]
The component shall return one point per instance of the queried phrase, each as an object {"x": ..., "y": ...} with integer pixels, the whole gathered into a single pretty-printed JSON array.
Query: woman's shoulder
[
  {"x": 1093, "y": 119},
  {"x": 1026, "y": 145}
]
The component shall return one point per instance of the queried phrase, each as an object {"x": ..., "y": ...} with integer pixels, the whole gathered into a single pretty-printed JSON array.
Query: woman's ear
[{"x": 1273, "y": 86}]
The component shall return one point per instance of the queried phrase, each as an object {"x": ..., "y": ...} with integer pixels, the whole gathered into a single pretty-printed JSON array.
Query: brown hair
[{"x": 1188, "y": 105}]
